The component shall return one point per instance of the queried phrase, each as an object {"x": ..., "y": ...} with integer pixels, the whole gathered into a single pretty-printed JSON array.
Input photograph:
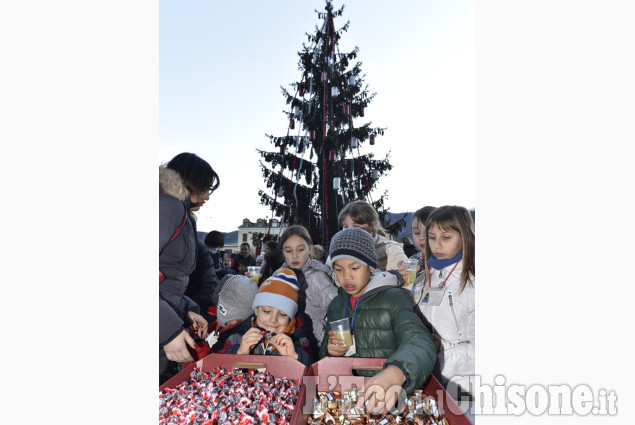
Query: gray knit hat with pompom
[
  {"x": 235, "y": 299},
  {"x": 355, "y": 244}
]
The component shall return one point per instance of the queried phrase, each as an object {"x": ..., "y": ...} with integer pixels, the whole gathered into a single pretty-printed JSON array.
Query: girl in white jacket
[{"x": 445, "y": 294}]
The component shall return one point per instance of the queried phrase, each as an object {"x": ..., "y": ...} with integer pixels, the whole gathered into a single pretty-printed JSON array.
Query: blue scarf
[{"x": 437, "y": 264}]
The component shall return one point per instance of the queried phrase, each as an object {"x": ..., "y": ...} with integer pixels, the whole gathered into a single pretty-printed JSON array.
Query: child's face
[
  {"x": 444, "y": 243},
  {"x": 242, "y": 268},
  {"x": 348, "y": 222},
  {"x": 296, "y": 251},
  {"x": 419, "y": 234},
  {"x": 353, "y": 276},
  {"x": 271, "y": 319},
  {"x": 227, "y": 263}
]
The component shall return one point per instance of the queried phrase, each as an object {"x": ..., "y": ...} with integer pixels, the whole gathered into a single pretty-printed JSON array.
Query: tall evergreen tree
[{"x": 318, "y": 167}]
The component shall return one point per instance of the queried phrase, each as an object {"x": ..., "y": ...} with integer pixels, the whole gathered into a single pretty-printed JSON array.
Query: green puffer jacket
[{"x": 386, "y": 326}]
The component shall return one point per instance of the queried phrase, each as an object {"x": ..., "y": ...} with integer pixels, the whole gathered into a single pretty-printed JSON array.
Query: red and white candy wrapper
[{"x": 229, "y": 396}]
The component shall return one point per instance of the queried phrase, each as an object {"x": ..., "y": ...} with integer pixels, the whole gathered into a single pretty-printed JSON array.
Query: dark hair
[
  {"x": 271, "y": 244},
  {"x": 214, "y": 239},
  {"x": 460, "y": 220},
  {"x": 245, "y": 243},
  {"x": 422, "y": 214},
  {"x": 197, "y": 174}
]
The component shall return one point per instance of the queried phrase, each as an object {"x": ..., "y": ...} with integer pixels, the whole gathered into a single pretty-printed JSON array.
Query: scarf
[{"x": 439, "y": 264}]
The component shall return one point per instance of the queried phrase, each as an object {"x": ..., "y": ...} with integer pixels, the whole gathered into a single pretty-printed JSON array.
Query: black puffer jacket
[
  {"x": 176, "y": 259},
  {"x": 203, "y": 280},
  {"x": 386, "y": 327}
]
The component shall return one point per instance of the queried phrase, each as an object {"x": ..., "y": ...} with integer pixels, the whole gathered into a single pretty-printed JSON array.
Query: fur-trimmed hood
[{"x": 171, "y": 183}]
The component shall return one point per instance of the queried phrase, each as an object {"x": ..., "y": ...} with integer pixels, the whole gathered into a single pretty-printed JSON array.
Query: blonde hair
[{"x": 361, "y": 212}]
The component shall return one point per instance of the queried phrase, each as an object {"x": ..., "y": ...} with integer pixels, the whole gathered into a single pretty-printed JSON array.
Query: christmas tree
[{"x": 317, "y": 167}]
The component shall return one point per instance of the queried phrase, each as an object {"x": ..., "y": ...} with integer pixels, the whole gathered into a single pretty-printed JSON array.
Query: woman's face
[
  {"x": 198, "y": 199},
  {"x": 348, "y": 222},
  {"x": 296, "y": 251},
  {"x": 271, "y": 319}
]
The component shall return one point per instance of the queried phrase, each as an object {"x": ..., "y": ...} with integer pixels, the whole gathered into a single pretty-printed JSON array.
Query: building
[{"x": 255, "y": 233}]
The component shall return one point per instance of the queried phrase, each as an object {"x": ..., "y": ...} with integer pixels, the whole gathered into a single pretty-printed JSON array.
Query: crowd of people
[{"x": 422, "y": 326}]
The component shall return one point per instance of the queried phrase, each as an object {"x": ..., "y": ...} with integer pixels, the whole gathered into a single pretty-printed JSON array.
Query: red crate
[
  {"x": 278, "y": 366},
  {"x": 336, "y": 374}
]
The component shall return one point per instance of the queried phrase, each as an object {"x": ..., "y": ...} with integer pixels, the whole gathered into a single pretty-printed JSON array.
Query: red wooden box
[{"x": 336, "y": 374}]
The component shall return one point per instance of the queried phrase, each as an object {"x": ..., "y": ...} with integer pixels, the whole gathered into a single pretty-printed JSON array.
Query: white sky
[{"x": 222, "y": 65}]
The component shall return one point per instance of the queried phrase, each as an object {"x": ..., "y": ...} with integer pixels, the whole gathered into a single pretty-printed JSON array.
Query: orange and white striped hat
[{"x": 279, "y": 291}]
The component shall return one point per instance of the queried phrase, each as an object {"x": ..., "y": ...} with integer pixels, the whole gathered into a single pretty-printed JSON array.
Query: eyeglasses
[{"x": 206, "y": 191}]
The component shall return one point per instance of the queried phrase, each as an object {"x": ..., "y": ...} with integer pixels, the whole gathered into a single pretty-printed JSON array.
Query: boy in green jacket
[{"x": 382, "y": 321}]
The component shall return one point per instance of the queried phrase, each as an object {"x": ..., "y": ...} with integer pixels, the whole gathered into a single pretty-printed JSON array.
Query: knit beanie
[
  {"x": 234, "y": 300},
  {"x": 355, "y": 244},
  {"x": 279, "y": 291}
]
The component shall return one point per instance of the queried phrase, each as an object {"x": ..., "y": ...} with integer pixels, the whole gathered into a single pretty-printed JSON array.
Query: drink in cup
[
  {"x": 343, "y": 329},
  {"x": 254, "y": 273},
  {"x": 411, "y": 271}
]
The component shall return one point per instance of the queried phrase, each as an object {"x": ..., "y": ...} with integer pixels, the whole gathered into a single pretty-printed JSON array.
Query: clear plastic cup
[
  {"x": 254, "y": 273},
  {"x": 343, "y": 329}
]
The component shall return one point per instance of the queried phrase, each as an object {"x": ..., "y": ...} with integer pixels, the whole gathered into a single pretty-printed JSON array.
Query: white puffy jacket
[{"x": 453, "y": 321}]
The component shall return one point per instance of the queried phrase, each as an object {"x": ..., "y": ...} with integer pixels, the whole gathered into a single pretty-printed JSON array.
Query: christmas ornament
[
  {"x": 291, "y": 123},
  {"x": 301, "y": 89},
  {"x": 324, "y": 76},
  {"x": 375, "y": 174},
  {"x": 331, "y": 155},
  {"x": 372, "y": 139},
  {"x": 346, "y": 109},
  {"x": 361, "y": 111},
  {"x": 334, "y": 91},
  {"x": 280, "y": 193},
  {"x": 353, "y": 142},
  {"x": 281, "y": 148},
  {"x": 352, "y": 80},
  {"x": 296, "y": 111},
  {"x": 312, "y": 135},
  {"x": 336, "y": 183}
]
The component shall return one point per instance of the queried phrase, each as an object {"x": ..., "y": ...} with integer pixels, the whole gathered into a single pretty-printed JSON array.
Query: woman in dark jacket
[{"x": 186, "y": 180}]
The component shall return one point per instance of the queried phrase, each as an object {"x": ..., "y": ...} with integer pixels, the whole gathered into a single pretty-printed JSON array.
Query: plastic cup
[
  {"x": 411, "y": 269},
  {"x": 343, "y": 329},
  {"x": 254, "y": 273}
]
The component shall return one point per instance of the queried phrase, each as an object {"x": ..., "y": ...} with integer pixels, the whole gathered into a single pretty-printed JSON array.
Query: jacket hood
[
  {"x": 380, "y": 281},
  {"x": 171, "y": 183}
]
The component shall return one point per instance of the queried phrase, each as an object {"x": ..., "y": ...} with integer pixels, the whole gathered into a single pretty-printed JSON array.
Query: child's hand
[
  {"x": 404, "y": 271},
  {"x": 199, "y": 323},
  {"x": 335, "y": 346},
  {"x": 284, "y": 344},
  {"x": 250, "y": 338},
  {"x": 382, "y": 391}
]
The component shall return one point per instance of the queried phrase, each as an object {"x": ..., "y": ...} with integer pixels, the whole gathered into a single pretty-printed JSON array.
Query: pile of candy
[
  {"x": 231, "y": 397},
  {"x": 334, "y": 409}
]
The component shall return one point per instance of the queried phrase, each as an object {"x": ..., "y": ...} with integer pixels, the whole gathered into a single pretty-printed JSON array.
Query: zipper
[{"x": 456, "y": 322}]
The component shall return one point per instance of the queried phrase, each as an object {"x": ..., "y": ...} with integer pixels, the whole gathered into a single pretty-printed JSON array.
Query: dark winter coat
[
  {"x": 177, "y": 259},
  {"x": 386, "y": 327},
  {"x": 203, "y": 279}
]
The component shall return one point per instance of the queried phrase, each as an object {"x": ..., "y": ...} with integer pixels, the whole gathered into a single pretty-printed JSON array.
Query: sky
[
  {"x": 83, "y": 124},
  {"x": 222, "y": 65}
]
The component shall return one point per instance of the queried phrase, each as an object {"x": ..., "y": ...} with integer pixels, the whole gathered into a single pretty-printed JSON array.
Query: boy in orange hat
[{"x": 275, "y": 328}]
